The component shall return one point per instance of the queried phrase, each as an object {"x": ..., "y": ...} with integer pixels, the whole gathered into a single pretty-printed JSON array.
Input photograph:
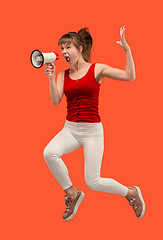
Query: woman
[{"x": 83, "y": 127}]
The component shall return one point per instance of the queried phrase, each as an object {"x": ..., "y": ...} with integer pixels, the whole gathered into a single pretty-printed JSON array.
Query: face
[{"x": 70, "y": 53}]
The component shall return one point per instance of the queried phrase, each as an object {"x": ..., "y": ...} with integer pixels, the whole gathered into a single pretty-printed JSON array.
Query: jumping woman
[{"x": 83, "y": 127}]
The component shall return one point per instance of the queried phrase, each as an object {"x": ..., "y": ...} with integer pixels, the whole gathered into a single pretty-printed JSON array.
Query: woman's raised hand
[
  {"x": 50, "y": 69},
  {"x": 122, "y": 41}
]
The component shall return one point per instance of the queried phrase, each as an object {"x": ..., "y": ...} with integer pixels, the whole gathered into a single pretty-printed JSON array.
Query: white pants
[{"x": 72, "y": 136}]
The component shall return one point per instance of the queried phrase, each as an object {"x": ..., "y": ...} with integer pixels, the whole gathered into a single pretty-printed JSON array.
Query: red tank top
[{"x": 82, "y": 97}]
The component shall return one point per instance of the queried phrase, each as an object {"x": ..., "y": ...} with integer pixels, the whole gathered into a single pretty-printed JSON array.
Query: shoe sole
[
  {"x": 143, "y": 203},
  {"x": 76, "y": 207}
]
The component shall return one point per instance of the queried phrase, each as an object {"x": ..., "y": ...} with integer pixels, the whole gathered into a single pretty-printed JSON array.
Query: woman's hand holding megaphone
[{"x": 50, "y": 69}]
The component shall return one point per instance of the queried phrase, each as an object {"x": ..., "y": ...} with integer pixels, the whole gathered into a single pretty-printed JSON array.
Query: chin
[{"x": 69, "y": 63}]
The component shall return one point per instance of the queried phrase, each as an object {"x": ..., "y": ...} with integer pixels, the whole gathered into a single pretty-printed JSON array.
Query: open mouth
[{"x": 67, "y": 59}]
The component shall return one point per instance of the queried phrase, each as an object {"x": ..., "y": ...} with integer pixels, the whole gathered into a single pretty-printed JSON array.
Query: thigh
[
  {"x": 64, "y": 142},
  {"x": 93, "y": 153}
]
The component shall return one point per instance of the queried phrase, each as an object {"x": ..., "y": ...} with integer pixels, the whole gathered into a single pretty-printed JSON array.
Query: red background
[{"x": 32, "y": 202}]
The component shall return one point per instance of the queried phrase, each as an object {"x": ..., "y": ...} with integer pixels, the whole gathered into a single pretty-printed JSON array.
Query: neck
[{"x": 79, "y": 64}]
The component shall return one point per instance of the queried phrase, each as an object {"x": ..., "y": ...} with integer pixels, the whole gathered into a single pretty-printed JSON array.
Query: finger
[
  {"x": 53, "y": 66},
  {"x": 123, "y": 34},
  {"x": 48, "y": 69},
  {"x": 121, "y": 31},
  {"x": 124, "y": 28}
]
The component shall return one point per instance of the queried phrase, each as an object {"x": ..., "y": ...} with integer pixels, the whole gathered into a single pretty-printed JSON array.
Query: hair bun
[
  {"x": 87, "y": 41},
  {"x": 83, "y": 30},
  {"x": 85, "y": 35}
]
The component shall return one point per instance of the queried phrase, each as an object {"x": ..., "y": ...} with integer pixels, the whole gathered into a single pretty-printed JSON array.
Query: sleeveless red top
[{"x": 82, "y": 97}]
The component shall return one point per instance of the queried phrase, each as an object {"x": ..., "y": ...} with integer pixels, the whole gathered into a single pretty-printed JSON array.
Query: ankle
[
  {"x": 71, "y": 192},
  {"x": 72, "y": 195},
  {"x": 129, "y": 194}
]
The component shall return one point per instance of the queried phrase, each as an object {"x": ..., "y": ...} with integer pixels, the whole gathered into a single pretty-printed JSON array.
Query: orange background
[{"x": 32, "y": 202}]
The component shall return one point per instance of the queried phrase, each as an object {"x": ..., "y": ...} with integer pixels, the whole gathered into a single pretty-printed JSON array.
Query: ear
[{"x": 81, "y": 49}]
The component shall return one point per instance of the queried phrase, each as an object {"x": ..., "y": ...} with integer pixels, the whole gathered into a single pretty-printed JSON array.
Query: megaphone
[{"x": 38, "y": 58}]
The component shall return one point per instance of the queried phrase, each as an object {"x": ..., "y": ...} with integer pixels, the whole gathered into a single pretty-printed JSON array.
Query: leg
[
  {"x": 93, "y": 153},
  {"x": 64, "y": 142}
]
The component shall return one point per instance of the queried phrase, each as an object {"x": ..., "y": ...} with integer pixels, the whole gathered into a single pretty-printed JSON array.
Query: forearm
[
  {"x": 130, "y": 66},
  {"x": 53, "y": 91}
]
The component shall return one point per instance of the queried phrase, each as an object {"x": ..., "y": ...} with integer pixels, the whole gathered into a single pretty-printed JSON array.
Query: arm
[
  {"x": 55, "y": 90},
  {"x": 126, "y": 75}
]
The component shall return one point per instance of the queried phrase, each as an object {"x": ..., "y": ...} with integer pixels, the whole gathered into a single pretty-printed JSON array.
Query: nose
[{"x": 63, "y": 51}]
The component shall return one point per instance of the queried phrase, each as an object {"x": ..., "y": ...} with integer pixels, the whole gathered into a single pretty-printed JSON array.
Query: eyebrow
[{"x": 66, "y": 44}]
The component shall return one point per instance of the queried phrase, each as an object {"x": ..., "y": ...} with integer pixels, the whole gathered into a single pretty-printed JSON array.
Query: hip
[{"x": 92, "y": 130}]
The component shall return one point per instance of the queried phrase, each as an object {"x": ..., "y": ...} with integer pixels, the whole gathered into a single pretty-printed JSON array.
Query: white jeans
[{"x": 72, "y": 136}]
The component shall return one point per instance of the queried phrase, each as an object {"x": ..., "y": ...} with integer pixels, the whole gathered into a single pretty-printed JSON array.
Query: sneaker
[
  {"x": 72, "y": 205},
  {"x": 137, "y": 202}
]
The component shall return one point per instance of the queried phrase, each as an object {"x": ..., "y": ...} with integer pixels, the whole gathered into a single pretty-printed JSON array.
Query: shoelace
[
  {"x": 68, "y": 203},
  {"x": 133, "y": 203}
]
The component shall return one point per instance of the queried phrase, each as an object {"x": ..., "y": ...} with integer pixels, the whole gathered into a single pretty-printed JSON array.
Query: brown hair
[{"x": 82, "y": 38}]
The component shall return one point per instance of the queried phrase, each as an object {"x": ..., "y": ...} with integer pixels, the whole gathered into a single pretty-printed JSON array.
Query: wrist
[
  {"x": 52, "y": 78},
  {"x": 127, "y": 49}
]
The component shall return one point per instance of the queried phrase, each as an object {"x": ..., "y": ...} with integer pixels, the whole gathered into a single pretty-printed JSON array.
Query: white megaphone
[{"x": 38, "y": 58}]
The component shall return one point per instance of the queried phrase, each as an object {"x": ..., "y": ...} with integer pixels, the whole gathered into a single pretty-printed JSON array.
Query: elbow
[
  {"x": 132, "y": 78},
  {"x": 56, "y": 102}
]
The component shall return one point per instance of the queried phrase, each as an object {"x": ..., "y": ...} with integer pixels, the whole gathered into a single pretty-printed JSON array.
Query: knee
[
  {"x": 45, "y": 153},
  {"x": 92, "y": 184},
  {"x": 50, "y": 155}
]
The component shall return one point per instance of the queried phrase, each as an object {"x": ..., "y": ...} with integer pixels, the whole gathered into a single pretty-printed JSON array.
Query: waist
[
  {"x": 82, "y": 124},
  {"x": 83, "y": 113}
]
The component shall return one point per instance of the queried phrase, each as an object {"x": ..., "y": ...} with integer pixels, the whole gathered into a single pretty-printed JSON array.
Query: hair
[{"x": 81, "y": 38}]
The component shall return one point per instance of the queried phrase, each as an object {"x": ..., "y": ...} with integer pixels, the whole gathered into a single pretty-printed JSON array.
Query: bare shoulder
[{"x": 99, "y": 68}]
